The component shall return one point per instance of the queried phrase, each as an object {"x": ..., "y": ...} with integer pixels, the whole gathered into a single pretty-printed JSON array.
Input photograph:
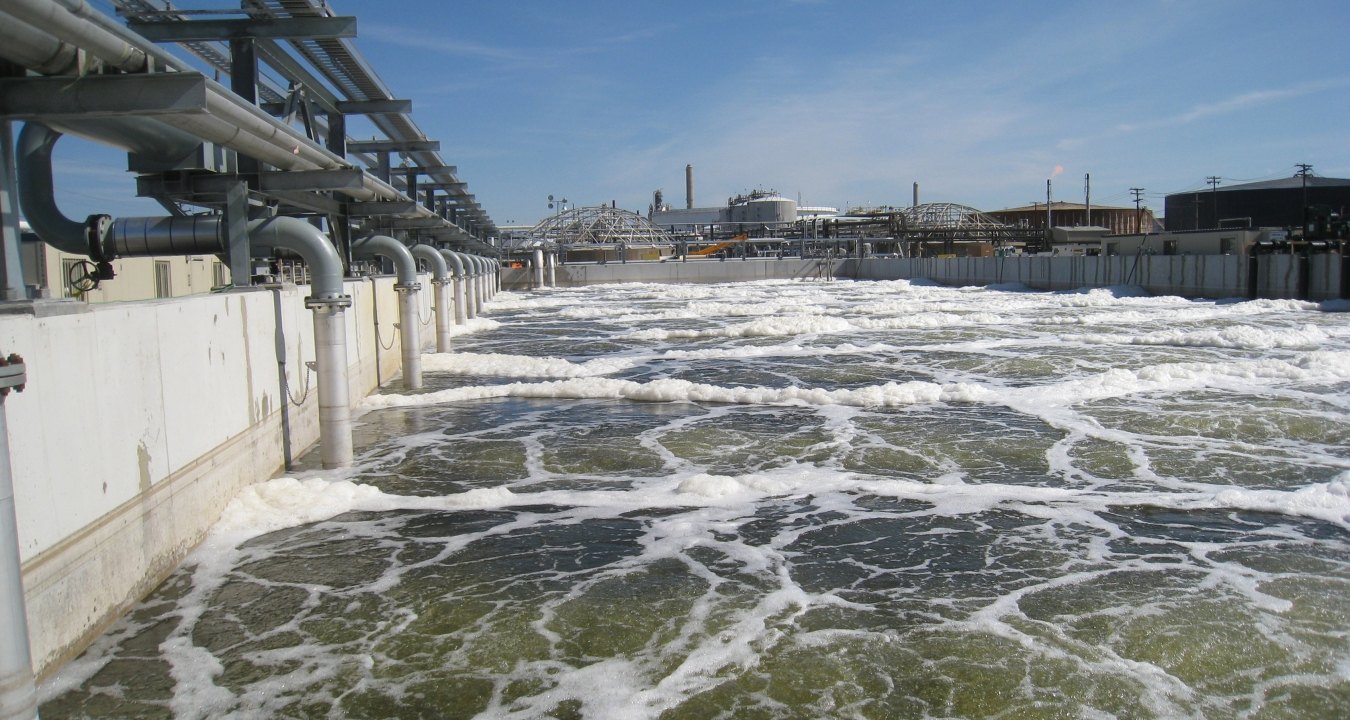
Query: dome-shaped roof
[{"x": 602, "y": 225}]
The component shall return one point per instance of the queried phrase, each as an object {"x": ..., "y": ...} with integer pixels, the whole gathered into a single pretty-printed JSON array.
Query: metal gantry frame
[
  {"x": 601, "y": 225},
  {"x": 317, "y": 79}
]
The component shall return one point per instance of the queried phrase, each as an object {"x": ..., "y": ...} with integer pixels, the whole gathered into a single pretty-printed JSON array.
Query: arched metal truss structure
[
  {"x": 602, "y": 225},
  {"x": 932, "y": 227},
  {"x": 948, "y": 216}
]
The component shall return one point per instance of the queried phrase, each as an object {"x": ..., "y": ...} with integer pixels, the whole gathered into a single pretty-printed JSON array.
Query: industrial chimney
[
  {"x": 689, "y": 187},
  {"x": 916, "y": 194}
]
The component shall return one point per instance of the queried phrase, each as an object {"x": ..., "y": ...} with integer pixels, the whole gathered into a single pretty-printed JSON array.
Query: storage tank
[{"x": 763, "y": 208}]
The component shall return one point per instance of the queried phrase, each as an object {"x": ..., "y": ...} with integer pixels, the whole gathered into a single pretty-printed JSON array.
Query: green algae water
[{"x": 793, "y": 500}]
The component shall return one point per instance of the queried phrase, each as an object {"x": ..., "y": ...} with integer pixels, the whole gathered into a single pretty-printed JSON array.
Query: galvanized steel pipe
[
  {"x": 538, "y": 262},
  {"x": 330, "y": 355},
  {"x": 17, "y": 696},
  {"x": 407, "y": 287},
  {"x": 461, "y": 288},
  {"x": 30, "y": 47},
  {"x": 440, "y": 280},
  {"x": 470, "y": 285},
  {"x": 480, "y": 283},
  {"x": 68, "y": 21}
]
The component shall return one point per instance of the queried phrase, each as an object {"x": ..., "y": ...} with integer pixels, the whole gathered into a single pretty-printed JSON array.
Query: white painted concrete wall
[
  {"x": 140, "y": 422},
  {"x": 674, "y": 271},
  {"x": 1196, "y": 276}
]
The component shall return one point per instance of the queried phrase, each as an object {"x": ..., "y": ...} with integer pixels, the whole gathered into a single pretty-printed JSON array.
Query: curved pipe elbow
[
  {"x": 37, "y": 193},
  {"x": 440, "y": 272},
  {"x": 325, "y": 265},
  {"x": 456, "y": 265},
  {"x": 404, "y": 264}
]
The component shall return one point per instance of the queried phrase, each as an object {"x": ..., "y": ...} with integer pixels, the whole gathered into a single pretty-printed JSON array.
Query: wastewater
[{"x": 791, "y": 499}]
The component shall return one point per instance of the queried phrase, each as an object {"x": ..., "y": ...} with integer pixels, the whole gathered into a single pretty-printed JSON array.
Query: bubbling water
[{"x": 793, "y": 500}]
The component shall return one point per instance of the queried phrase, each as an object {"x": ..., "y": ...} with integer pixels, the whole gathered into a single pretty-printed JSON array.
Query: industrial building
[
  {"x": 756, "y": 210},
  {"x": 1116, "y": 220},
  {"x": 1269, "y": 204}
]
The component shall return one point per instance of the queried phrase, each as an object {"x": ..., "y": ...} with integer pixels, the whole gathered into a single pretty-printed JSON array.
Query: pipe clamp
[
  {"x": 13, "y": 374},
  {"x": 338, "y": 301}
]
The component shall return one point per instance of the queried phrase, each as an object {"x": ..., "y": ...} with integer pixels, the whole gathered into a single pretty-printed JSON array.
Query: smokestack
[
  {"x": 916, "y": 194},
  {"x": 689, "y": 187}
]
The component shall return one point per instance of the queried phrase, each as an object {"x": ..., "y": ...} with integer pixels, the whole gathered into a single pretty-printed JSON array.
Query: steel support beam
[
  {"x": 102, "y": 96},
  {"x": 433, "y": 169},
  {"x": 374, "y": 107},
  {"x": 236, "y": 232},
  {"x": 222, "y": 29},
  {"x": 368, "y": 209},
  {"x": 361, "y": 146}
]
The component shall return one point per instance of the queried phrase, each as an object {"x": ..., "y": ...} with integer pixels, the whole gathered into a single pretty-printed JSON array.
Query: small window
[
  {"x": 219, "y": 277},
  {"x": 1169, "y": 247},
  {"x": 67, "y": 266},
  {"x": 163, "y": 288},
  {"x": 1226, "y": 245}
]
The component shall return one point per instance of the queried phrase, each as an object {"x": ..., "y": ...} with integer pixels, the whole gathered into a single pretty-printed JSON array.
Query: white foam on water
[
  {"x": 1306, "y": 337},
  {"x": 890, "y": 394},
  {"x": 474, "y": 325},
  {"x": 503, "y": 365},
  {"x": 1113, "y": 344}
]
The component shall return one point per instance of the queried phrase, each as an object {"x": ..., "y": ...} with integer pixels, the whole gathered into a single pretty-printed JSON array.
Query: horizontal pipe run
[
  {"x": 22, "y": 43},
  {"x": 68, "y": 21}
]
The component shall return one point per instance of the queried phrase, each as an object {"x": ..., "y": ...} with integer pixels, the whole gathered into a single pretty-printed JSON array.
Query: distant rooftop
[
  {"x": 1059, "y": 205},
  {"x": 1288, "y": 183}
]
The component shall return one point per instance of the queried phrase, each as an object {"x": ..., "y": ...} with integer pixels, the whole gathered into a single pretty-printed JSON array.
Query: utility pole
[
  {"x": 1138, "y": 218},
  {"x": 1304, "y": 169},
  {"x": 1213, "y": 181},
  {"x": 1087, "y": 198},
  {"x": 1048, "y": 216}
]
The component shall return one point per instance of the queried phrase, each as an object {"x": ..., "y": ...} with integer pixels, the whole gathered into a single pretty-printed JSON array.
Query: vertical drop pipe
[
  {"x": 407, "y": 287},
  {"x": 410, "y": 335},
  {"x": 551, "y": 262},
  {"x": 480, "y": 297},
  {"x": 443, "y": 312},
  {"x": 538, "y": 263},
  {"x": 330, "y": 355},
  {"x": 460, "y": 290},
  {"x": 18, "y": 698},
  {"x": 440, "y": 281},
  {"x": 470, "y": 286}
]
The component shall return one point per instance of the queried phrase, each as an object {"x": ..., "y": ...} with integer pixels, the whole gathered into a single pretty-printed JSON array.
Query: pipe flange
[
  {"x": 337, "y": 301},
  {"x": 13, "y": 374},
  {"x": 410, "y": 287},
  {"x": 96, "y": 228},
  {"x": 438, "y": 283}
]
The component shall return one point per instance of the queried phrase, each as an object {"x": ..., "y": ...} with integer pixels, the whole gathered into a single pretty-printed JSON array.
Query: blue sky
[{"x": 848, "y": 103}]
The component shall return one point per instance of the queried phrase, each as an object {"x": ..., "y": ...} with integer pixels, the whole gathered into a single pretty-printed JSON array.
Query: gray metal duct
[
  {"x": 461, "y": 285},
  {"x": 407, "y": 287},
  {"x": 37, "y": 190},
  {"x": 440, "y": 280}
]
